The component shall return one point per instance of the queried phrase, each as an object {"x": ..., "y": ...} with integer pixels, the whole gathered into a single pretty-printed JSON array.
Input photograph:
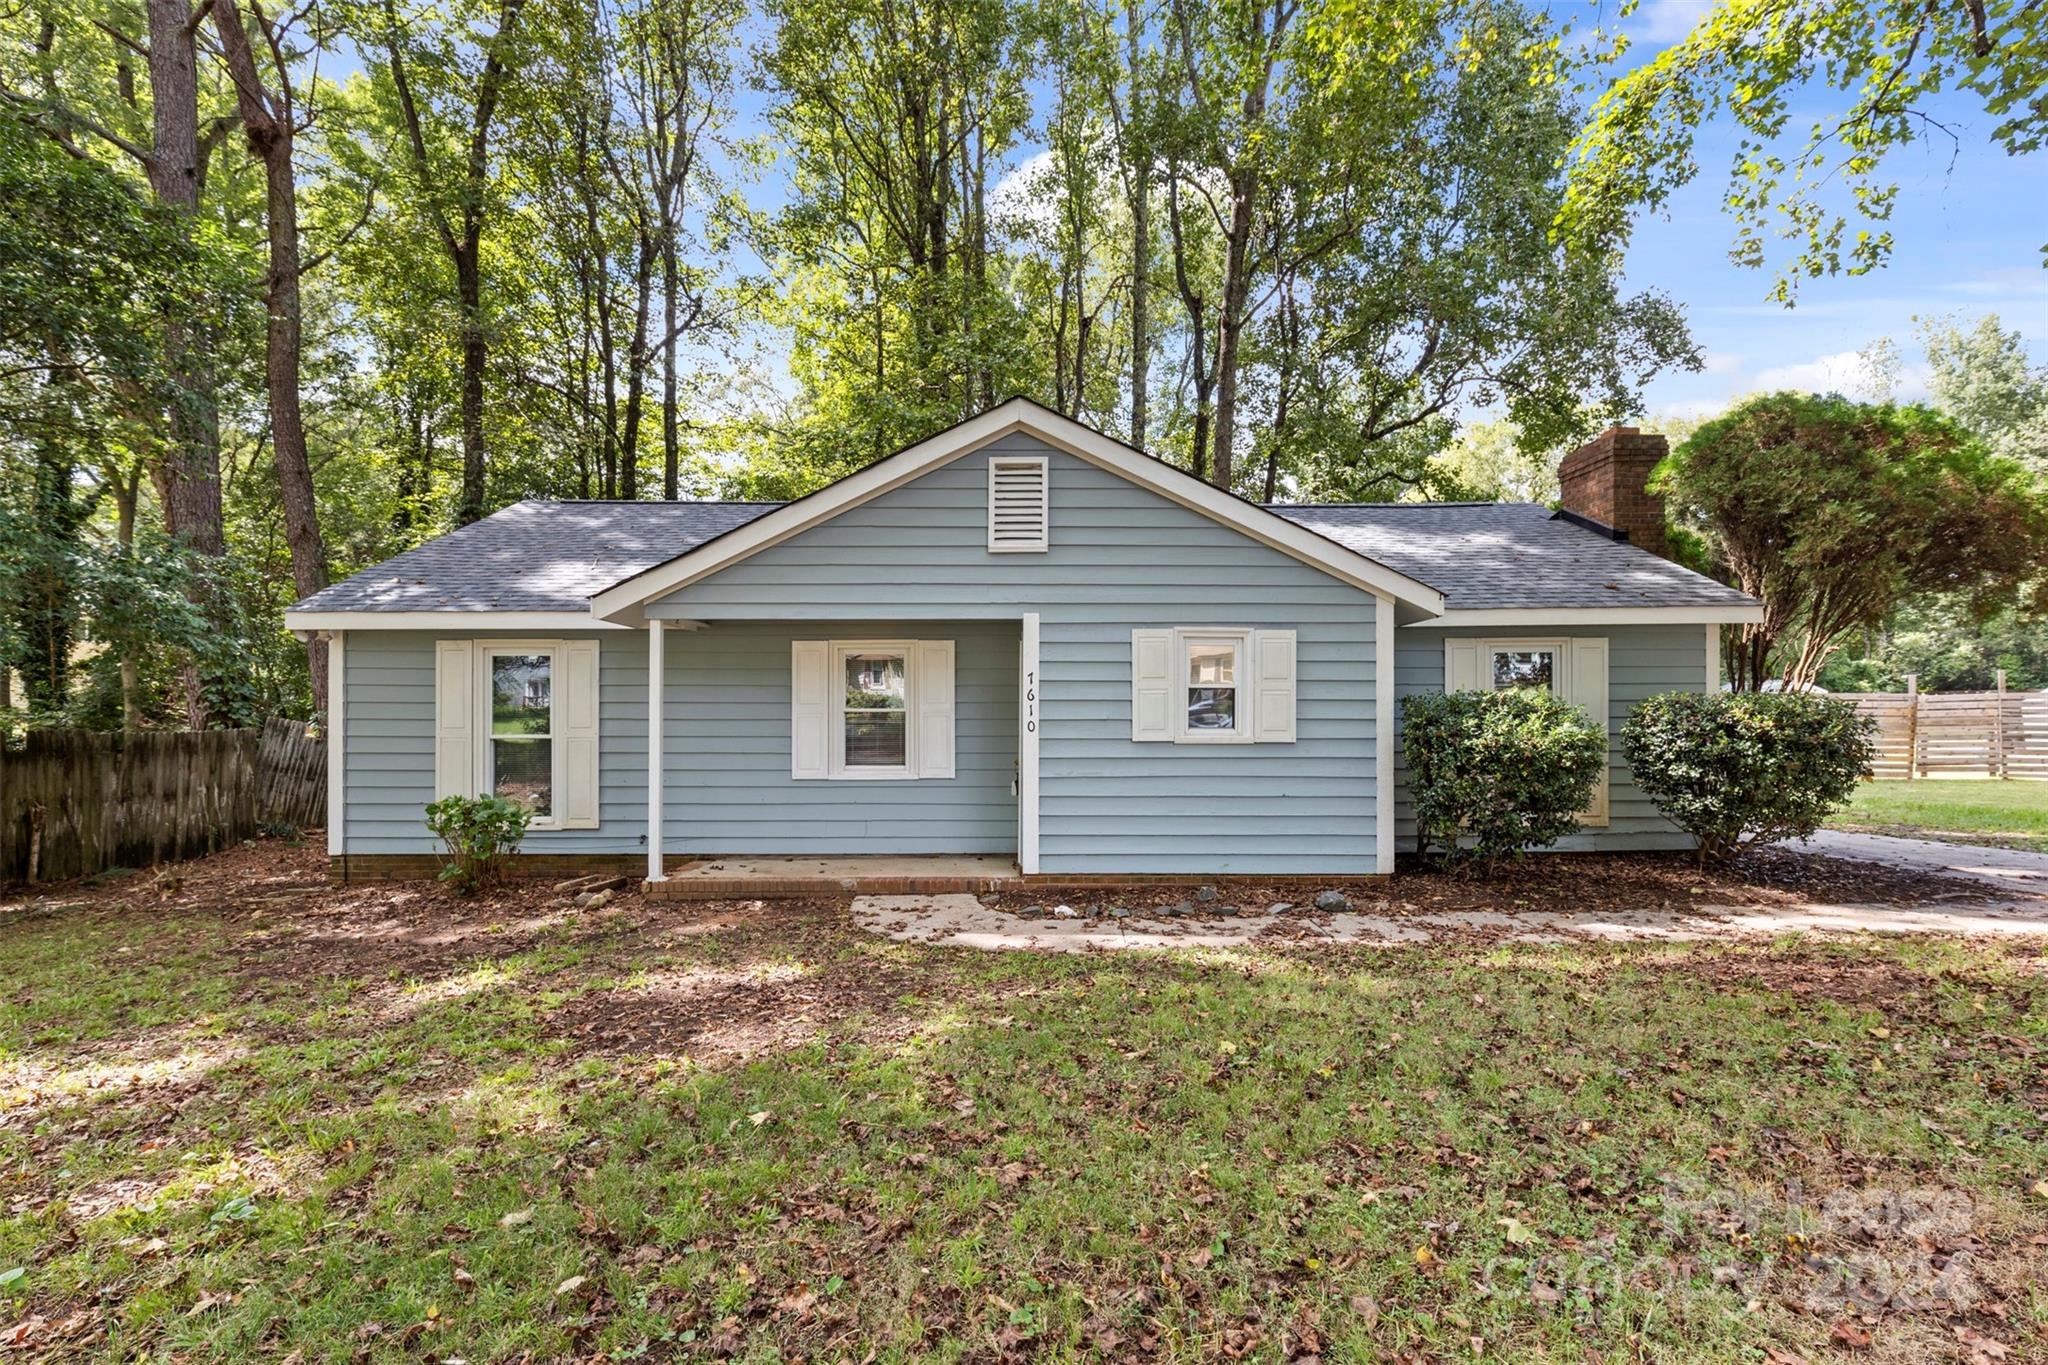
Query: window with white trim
[
  {"x": 871, "y": 709},
  {"x": 519, "y": 721},
  {"x": 1572, "y": 669},
  {"x": 874, "y": 709},
  {"x": 1212, "y": 685},
  {"x": 1212, "y": 669}
]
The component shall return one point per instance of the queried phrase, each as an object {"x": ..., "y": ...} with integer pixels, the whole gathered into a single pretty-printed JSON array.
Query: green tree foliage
[
  {"x": 1833, "y": 513},
  {"x": 88, "y": 272},
  {"x": 1982, "y": 376},
  {"x": 1737, "y": 770},
  {"x": 702, "y": 247},
  {"x": 1497, "y": 773},
  {"x": 1872, "y": 65}
]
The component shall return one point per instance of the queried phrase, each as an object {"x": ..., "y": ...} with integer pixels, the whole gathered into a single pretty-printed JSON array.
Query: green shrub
[
  {"x": 480, "y": 833},
  {"x": 1735, "y": 769},
  {"x": 1497, "y": 772}
]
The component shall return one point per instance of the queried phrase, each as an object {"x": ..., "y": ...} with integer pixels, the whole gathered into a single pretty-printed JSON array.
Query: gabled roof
[
  {"x": 1492, "y": 556},
  {"x": 576, "y": 564},
  {"x": 623, "y": 600}
]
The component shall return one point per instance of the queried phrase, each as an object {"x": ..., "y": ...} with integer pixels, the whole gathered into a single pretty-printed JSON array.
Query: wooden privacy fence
[
  {"x": 1983, "y": 734},
  {"x": 74, "y": 802}
]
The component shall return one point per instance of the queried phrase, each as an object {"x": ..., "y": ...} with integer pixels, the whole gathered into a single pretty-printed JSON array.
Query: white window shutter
[
  {"x": 1273, "y": 686},
  {"x": 1019, "y": 505},
  {"x": 933, "y": 682},
  {"x": 1586, "y": 688},
  {"x": 1152, "y": 690},
  {"x": 455, "y": 739},
  {"x": 1461, "y": 665},
  {"x": 809, "y": 691},
  {"x": 576, "y": 712}
]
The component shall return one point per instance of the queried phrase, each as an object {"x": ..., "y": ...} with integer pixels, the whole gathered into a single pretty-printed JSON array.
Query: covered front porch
[{"x": 811, "y": 753}]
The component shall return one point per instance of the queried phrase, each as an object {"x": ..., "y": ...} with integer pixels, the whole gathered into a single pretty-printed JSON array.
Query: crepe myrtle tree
[{"x": 1833, "y": 512}]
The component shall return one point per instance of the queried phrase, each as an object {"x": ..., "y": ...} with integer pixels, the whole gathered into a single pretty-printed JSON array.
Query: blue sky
[{"x": 1969, "y": 227}]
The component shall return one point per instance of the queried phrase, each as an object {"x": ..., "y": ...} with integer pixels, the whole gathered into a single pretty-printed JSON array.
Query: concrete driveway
[{"x": 2008, "y": 869}]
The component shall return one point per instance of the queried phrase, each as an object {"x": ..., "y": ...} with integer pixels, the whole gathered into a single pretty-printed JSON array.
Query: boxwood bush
[
  {"x": 1497, "y": 772},
  {"x": 1737, "y": 769}
]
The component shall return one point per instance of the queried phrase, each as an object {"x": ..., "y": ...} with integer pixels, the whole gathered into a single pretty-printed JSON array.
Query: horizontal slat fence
[
  {"x": 75, "y": 802},
  {"x": 1945, "y": 734}
]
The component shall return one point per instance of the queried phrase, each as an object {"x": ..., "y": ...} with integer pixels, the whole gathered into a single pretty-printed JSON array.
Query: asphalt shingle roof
[
  {"x": 551, "y": 556},
  {"x": 1484, "y": 555},
  {"x": 535, "y": 556}
]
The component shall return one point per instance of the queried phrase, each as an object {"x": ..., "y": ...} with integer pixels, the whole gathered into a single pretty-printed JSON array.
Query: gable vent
[{"x": 1019, "y": 505}]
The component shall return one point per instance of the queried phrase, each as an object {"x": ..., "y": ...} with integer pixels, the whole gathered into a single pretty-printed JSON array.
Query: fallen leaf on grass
[
  {"x": 760, "y": 1116},
  {"x": 1980, "y": 1349},
  {"x": 515, "y": 1218},
  {"x": 1848, "y": 1334},
  {"x": 570, "y": 1285},
  {"x": 1774, "y": 1355}
]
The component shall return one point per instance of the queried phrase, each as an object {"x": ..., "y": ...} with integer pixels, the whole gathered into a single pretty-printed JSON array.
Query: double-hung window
[
  {"x": 1212, "y": 685},
  {"x": 520, "y": 752},
  {"x": 874, "y": 737},
  {"x": 871, "y": 709},
  {"x": 1213, "y": 669}
]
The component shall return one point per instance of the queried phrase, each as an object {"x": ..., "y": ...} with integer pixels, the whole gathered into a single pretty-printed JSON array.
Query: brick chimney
[{"x": 1604, "y": 482}]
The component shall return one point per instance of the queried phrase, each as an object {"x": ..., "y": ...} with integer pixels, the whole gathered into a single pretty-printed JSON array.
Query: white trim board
[
  {"x": 336, "y": 722},
  {"x": 449, "y": 621},
  {"x": 1017, "y": 415},
  {"x": 1731, "y": 614}
]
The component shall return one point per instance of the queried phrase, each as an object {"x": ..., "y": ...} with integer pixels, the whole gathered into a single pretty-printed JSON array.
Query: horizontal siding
[
  {"x": 726, "y": 747},
  {"x": 1121, "y": 557},
  {"x": 389, "y": 734},
  {"x": 1641, "y": 662}
]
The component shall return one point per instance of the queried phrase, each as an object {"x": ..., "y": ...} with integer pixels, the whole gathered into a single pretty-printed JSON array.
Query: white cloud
[
  {"x": 1667, "y": 21},
  {"x": 1844, "y": 372}
]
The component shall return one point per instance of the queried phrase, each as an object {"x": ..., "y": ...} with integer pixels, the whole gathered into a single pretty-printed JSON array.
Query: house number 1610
[{"x": 1030, "y": 703}]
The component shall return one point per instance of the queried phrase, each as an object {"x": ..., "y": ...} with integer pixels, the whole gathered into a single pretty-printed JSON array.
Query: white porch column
[
  {"x": 1027, "y": 746},
  {"x": 657, "y": 668}
]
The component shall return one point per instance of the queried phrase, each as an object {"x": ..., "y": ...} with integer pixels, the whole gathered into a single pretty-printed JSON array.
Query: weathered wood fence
[
  {"x": 1929, "y": 734},
  {"x": 74, "y": 802}
]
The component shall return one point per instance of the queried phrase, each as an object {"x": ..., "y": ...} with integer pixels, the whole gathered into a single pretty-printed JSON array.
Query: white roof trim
[
  {"x": 1063, "y": 433},
  {"x": 1727, "y": 613},
  {"x": 445, "y": 620}
]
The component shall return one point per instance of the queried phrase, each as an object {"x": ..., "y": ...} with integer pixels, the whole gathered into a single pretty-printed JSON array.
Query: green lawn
[
  {"x": 367, "y": 1126},
  {"x": 2010, "y": 813}
]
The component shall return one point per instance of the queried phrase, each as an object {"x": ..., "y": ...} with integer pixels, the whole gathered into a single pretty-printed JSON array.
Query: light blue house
[{"x": 1017, "y": 638}]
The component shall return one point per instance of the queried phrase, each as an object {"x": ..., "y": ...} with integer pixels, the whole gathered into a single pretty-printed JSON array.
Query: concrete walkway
[
  {"x": 2008, "y": 869},
  {"x": 963, "y": 921}
]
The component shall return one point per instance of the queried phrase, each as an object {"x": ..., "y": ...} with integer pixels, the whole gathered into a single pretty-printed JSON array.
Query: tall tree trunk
[
  {"x": 671, "y": 444},
  {"x": 188, "y": 478},
  {"x": 1230, "y": 321},
  {"x": 267, "y": 121},
  {"x": 127, "y": 488},
  {"x": 1141, "y": 244},
  {"x": 463, "y": 239},
  {"x": 636, "y": 370},
  {"x": 476, "y": 356},
  {"x": 1201, "y": 371}
]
